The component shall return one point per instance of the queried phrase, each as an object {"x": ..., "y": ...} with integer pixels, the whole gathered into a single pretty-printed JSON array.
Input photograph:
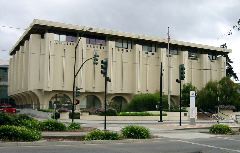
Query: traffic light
[
  {"x": 104, "y": 67},
  {"x": 181, "y": 72},
  {"x": 78, "y": 91},
  {"x": 95, "y": 58}
]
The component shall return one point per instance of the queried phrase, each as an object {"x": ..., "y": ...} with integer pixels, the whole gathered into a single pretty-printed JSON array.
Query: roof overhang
[{"x": 42, "y": 26}]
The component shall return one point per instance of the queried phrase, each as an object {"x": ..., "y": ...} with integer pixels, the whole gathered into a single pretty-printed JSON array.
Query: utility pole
[
  {"x": 160, "y": 103},
  {"x": 169, "y": 74}
]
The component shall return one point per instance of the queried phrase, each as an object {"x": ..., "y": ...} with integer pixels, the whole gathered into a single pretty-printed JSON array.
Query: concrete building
[{"x": 41, "y": 65}]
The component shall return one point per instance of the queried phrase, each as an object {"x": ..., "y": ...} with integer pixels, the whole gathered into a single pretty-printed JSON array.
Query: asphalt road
[{"x": 171, "y": 144}]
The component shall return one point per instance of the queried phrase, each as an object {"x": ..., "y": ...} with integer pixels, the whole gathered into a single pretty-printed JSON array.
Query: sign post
[{"x": 193, "y": 110}]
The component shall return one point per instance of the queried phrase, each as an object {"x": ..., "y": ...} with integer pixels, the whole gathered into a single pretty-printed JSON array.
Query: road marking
[
  {"x": 204, "y": 145},
  {"x": 226, "y": 138}
]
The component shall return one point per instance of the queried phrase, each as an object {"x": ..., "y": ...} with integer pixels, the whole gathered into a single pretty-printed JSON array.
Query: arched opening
[
  {"x": 119, "y": 103},
  {"x": 90, "y": 103},
  {"x": 61, "y": 101}
]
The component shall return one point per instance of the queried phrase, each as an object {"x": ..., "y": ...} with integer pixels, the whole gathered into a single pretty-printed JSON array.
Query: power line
[
  {"x": 11, "y": 27},
  {"x": 3, "y": 50}
]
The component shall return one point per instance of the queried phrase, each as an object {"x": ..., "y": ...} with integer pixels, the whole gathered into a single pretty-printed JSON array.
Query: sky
[{"x": 199, "y": 21}]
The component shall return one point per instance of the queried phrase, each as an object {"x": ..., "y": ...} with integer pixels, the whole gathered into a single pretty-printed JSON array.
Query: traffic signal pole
[
  {"x": 180, "y": 103},
  {"x": 179, "y": 80},
  {"x": 95, "y": 62},
  {"x": 104, "y": 68},
  {"x": 161, "y": 104},
  {"x": 105, "y": 104}
]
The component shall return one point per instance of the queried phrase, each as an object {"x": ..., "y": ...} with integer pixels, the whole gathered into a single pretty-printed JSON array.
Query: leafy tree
[
  {"x": 207, "y": 97},
  {"x": 186, "y": 93},
  {"x": 229, "y": 69},
  {"x": 228, "y": 94}
]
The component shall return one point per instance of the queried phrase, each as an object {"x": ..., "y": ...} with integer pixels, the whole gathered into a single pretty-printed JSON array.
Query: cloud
[{"x": 201, "y": 21}]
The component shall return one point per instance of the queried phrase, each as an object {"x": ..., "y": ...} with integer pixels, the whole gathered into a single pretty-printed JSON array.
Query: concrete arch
[
  {"x": 119, "y": 103},
  {"x": 25, "y": 101},
  {"x": 15, "y": 99},
  {"x": 91, "y": 102},
  {"x": 19, "y": 100},
  {"x": 35, "y": 100},
  {"x": 61, "y": 100}
]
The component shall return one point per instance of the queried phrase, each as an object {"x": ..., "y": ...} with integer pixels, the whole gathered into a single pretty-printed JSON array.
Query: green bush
[
  {"x": 136, "y": 132},
  {"x": 18, "y": 120},
  {"x": 53, "y": 125},
  {"x": 186, "y": 94},
  {"x": 109, "y": 112},
  {"x": 139, "y": 114},
  {"x": 146, "y": 102},
  {"x": 24, "y": 117},
  {"x": 74, "y": 126},
  {"x": 16, "y": 133},
  {"x": 31, "y": 124},
  {"x": 6, "y": 119},
  {"x": 75, "y": 116},
  {"x": 102, "y": 135},
  {"x": 46, "y": 110},
  {"x": 220, "y": 129}
]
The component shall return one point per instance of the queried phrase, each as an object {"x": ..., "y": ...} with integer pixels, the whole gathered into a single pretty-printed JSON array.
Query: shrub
[
  {"x": 31, "y": 124},
  {"x": 75, "y": 116},
  {"x": 136, "y": 132},
  {"x": 109, "y": 112},
  {"x": 24, "y": 117},
  {"x": 6, "y": 119},
  {"x": 15, "y": 133},
  {"x": 102, "y": 135},
  {"x": 52, "y": 125},
  {"x": 46, "y": 110},
  {"x": 139, "y": 114},
  {"x": 186, "y": 94},
  {"x": 74, "y": 126},
  {"x": 146, "y": 102},
  {"x": 220, "y": 129}
]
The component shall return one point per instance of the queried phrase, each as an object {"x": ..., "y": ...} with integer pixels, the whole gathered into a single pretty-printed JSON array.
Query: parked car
[{"x": 6, "y": 108}]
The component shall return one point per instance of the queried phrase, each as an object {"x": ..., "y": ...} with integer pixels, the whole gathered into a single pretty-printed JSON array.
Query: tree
[
  {"x": 208, "y": 97},
  {"x": 229, "y": 69},
  {"x": 228, "y": 94},
  {"x": 186, "y": 93}
]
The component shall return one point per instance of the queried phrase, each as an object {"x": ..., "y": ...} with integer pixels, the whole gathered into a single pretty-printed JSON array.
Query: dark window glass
[{"x": 125, "y": 44}]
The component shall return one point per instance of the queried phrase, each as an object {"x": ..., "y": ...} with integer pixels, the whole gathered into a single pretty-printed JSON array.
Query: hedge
[
  {"x": 53, "y": 125},
  {"x": 102, "y": 135},
  {"x": 18, "y": 133},
  {"x": 220, "y": 129},
  {"x": 136, "y": 132}
]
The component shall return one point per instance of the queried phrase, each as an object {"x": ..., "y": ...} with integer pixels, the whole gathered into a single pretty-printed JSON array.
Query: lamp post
[{"x": 74, "y": 70}]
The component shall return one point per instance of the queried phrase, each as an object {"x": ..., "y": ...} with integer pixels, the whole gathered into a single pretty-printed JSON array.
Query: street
[{"x": 186, "y": 141}]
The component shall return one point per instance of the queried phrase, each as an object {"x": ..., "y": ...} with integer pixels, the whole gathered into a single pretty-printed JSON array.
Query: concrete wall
[{"x": 43, "y": 67}]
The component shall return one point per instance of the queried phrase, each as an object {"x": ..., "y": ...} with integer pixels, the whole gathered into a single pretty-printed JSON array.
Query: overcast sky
[{"x": 200, "y": 21}]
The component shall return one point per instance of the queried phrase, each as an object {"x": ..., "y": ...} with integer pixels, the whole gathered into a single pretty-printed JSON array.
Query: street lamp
[{"x": 74, "y": 70}]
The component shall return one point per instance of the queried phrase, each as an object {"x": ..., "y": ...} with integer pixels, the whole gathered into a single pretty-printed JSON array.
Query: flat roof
[{"x": 42, "y": 26}]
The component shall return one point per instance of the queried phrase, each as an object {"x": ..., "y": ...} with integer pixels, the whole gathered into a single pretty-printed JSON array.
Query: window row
[
  {"x": 63, "y": 38},
  {"x": 122, "y": 43},
  {"x": 96, "y": 41},
  {"x": 149, "y": 47}
]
